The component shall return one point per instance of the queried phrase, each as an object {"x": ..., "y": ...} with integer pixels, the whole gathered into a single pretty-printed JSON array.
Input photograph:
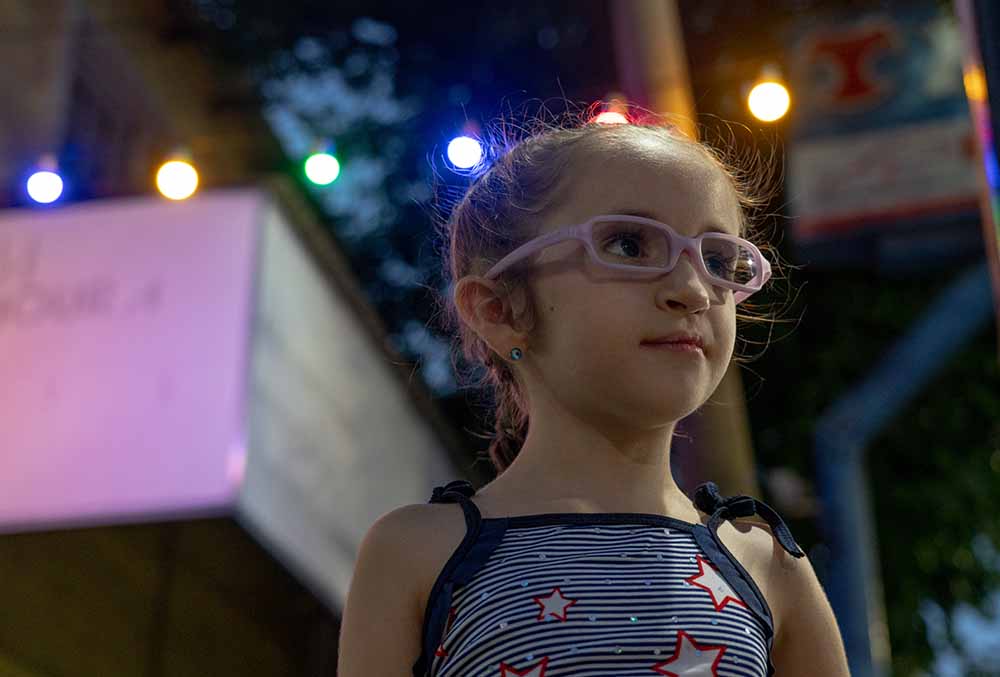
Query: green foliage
[{"x": 934, "y": 472}]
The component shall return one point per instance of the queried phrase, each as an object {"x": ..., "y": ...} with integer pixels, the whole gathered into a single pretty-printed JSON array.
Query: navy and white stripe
[
  {"x": 598, "y": 594},
  {"x": 627, "y": 574}
]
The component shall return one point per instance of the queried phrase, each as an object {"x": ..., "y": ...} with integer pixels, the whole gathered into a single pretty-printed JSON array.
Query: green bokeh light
[{"x": 322, "y": 168}]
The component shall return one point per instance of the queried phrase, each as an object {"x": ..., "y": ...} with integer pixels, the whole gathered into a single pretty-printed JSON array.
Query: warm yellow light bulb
[
  {"x": 768, "y": 101},
  {"x": 177, "y": 180}
]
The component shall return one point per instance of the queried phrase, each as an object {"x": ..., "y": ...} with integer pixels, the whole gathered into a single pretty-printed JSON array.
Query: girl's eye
[
  {"x": 632, "y": 240},
  {"x": 733, "y": 269},
  {"x": 720, "y": 265}
]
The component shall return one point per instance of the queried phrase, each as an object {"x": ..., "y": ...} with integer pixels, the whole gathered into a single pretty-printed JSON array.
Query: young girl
[{"x": 597, "y": 268}]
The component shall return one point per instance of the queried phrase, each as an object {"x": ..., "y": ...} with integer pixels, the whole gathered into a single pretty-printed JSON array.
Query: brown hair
[{"x": 503, "y": 208}]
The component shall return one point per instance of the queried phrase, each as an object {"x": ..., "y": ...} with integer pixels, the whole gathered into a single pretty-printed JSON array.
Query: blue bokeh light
[
  {"x": 45, "y": 187},
  {"x": 465, "y": 152}
]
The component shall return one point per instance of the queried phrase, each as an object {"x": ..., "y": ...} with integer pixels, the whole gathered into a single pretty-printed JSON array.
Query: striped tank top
[{"x": 598, "y": 595}]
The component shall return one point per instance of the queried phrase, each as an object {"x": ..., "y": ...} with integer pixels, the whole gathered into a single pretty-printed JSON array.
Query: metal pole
[
  {"x": 653, "y": 68},
  {"x": 842, "y": 435}
]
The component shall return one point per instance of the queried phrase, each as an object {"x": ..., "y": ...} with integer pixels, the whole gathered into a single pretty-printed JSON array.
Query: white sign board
[
  {"x": 179, "y": 360},
  {"x": 123, "y": 328}
]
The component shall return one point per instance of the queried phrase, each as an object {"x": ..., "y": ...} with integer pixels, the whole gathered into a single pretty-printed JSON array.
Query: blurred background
[{"x": 221, "y": 359}]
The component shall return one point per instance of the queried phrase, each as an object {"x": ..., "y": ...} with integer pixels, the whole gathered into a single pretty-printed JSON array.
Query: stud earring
[{"x": 516, "y": 354}]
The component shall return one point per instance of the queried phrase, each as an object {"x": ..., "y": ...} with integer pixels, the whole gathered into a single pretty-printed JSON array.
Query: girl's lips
[
  {"x": 678, "y": 337},
  {"x": 678, "y": 346}
]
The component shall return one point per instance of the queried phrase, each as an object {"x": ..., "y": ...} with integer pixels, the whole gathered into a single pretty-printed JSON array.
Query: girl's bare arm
[
  {"x": 381, "y": 624},
  {"x": 808, "y": 640}
]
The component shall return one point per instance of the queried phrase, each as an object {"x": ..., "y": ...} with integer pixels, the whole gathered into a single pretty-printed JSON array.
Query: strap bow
[
  {"x": 463, "y": 487},
  {"x": 708, "y": 499}
]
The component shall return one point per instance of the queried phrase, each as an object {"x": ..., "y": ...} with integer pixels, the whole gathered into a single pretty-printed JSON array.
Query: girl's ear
[
  {"x": 485, "y": 306},
  {"x": 520, "y": 307}
]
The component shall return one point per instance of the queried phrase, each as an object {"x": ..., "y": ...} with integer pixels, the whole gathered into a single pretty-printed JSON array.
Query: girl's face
[{"x": 591, "y": 322}]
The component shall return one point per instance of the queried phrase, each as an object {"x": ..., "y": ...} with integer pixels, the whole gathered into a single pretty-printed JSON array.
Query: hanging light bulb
[
  {"x": 768, "y": 99},
  {"x": 45, "y": 185},
  {"x": 322, "y": 167},
  {"x": 614, "y": 112},
  {"x": 177, "y": 179}
]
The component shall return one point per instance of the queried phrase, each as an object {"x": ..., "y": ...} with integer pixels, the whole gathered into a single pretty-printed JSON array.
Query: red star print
[
  {"x": 537, "y": 671},
  {"x": 688, "y": 663},
  {"x": 451, "y": 618},
  {"x": 716, "y": 586},
  {"x": 554, "y": 604}
]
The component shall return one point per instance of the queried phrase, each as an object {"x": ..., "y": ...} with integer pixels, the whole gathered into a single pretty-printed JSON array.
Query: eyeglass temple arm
[{"x": 530, "y": 247}]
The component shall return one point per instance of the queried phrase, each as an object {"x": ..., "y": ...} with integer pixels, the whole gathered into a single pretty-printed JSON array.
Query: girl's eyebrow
[{"x": 646, "y": 215}]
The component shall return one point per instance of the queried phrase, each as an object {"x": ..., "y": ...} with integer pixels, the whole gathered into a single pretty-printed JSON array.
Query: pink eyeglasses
[{"x": 724, "y": 260}]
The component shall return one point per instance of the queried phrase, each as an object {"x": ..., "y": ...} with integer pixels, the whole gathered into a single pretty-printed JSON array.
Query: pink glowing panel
[{"x": 123, "y": 334}]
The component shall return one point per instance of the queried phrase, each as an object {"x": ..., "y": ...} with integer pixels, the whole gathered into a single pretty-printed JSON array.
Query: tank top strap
[
  {"x": 481, "y": 539},
  {"x": 708, "y": 499},
  {"x": 459, "y": 491},
  {"x": 457, "y": 487}
]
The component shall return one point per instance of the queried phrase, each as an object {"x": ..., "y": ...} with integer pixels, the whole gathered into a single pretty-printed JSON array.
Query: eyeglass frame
[{"x": 692, "y": 245}]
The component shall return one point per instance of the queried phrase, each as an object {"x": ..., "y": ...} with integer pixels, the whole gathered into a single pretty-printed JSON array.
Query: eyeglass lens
[{"x": 637, "y": 244}]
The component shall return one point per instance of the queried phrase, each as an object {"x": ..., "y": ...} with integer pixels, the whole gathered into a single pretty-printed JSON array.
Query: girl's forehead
[{"x": 677, "y": 186}]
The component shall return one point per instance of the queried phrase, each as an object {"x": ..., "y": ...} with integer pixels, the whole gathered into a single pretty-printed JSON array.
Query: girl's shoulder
[
  {"x": 429, "y": 533},
  {"x": 753, "y": 542}
]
